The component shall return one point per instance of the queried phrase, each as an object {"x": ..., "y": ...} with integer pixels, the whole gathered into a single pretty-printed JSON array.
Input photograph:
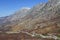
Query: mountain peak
[
  {"x": 23, "y": 8},
  {"x": 54, "y": 1}
]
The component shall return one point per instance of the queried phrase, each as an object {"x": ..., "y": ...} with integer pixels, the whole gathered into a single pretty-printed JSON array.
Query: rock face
[{"x": 42, "y": 18}]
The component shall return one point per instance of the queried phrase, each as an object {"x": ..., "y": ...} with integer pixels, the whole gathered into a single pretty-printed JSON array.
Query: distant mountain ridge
[{"x": 13, "y": 19}]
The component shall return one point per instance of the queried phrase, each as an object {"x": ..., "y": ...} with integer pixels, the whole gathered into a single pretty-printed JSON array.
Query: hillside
[{"x": 42, "y": 18}]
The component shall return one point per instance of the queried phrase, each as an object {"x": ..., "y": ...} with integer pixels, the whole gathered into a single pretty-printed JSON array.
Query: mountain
[
  {"x": 8, "y": 21},
  {"x": 42, "y": 19}
]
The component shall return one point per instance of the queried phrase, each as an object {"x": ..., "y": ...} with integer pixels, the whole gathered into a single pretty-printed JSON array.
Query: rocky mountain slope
[
  {"x": 8, "y": 21},
  {"x": 42, "y": 19}
]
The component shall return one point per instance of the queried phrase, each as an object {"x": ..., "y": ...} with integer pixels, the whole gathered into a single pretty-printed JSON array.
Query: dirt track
[{"x": 20, "y": 36}]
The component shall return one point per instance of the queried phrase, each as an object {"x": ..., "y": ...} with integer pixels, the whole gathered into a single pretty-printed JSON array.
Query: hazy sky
[{"x": 7, "y": 7}]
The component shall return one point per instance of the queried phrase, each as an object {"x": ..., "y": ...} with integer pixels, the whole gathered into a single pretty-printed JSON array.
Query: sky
[{"x": 8, "y": 7}]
